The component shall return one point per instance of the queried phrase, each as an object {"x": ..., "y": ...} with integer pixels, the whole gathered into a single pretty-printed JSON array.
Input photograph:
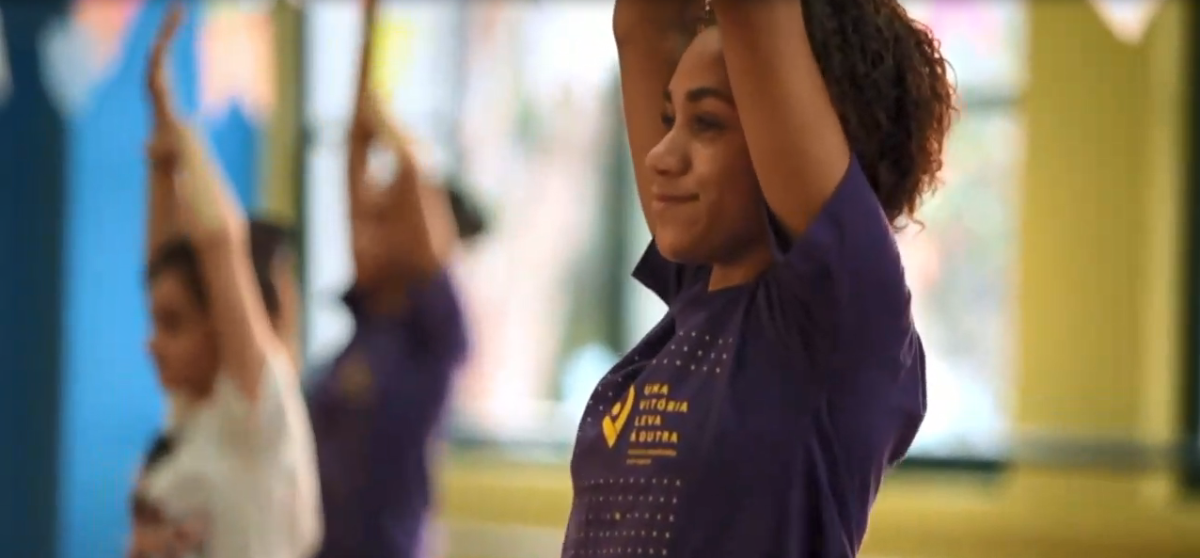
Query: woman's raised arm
[
  {"x": 651, "y": 35},
  {"x": 799, "y": 150},
  {"x": 394, "y": 246},
  {"x": 212, "y": 220},
  {"x": 162, "y": 153}
]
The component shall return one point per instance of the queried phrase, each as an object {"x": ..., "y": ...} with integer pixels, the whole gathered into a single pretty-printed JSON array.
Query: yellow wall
[{"x": 1100, "y": 330}]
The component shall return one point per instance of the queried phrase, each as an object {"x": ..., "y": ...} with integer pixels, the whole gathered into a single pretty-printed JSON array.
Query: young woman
[
  {"x": 778, "y": 149},
  {"x": 273, "y": 259},
  {"x": 241, "y": 479},
  {"x": 376, "y": 410}
]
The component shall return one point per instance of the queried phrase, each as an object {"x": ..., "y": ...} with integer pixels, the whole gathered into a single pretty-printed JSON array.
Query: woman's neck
[
  {"x": 739, "y": 270},
  {"x": 180, "y": 408}
]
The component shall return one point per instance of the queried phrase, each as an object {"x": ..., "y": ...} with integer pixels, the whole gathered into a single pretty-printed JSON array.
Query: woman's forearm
[
  {"x": 207, "y": 208},
  {"x": 161, "y": 209},
  {"x": 646, "y": 61},
  {"x": 215, "y": 223},
  {"x": 640, "y": 20}
]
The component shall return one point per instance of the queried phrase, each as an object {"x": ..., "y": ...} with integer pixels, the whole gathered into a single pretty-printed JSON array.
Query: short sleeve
[
  {"x": 435, "y": 321},
  {"x": 844, "y": 273},
  {"x": 261, "y": 424},
  {"x": 662, "y": 276}
]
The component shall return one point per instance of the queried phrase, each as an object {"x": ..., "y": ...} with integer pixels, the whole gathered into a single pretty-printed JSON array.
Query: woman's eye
[
  {"x": 668, "y": 121},
  {"x": 702, "y": 124}
]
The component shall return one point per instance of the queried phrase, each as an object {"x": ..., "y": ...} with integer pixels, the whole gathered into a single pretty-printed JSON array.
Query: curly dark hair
[
  {"x": 892, "y": 90},
  {"x": 893, "y": 93}
]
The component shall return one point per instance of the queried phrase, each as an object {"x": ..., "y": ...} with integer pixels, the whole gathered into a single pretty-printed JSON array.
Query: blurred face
[
  {"x": 379, "y": 253},
  {"x": 183, "y": 343},
  {"x": 706, "y": 204}
]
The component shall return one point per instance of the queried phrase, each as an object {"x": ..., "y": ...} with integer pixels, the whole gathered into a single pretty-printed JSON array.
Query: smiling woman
[{"x": 1116, "y": 309}]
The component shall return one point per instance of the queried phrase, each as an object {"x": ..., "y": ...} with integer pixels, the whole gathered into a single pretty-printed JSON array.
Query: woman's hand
[
  {"x": 657, "y": 20},
  {"x": 179, "y": 155},
  {"x": 163, "y": 148}
]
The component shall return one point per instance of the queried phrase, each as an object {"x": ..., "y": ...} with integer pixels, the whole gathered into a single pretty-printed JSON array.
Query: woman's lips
[{"x": 674, "y": 199}]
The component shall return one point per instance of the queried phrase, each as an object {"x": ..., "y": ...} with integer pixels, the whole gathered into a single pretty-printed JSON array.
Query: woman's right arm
[
  {"x": 162, "y": 205},
  {"x": 651, "y": 35},
  {"x": 162, "y": 153},
  {"x": 214, "y": 222},
  {"x": 358, "y": 146}
]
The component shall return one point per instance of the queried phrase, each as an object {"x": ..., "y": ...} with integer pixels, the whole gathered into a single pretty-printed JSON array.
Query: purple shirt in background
[
  {"x": 374, "y": 414},
  {"x": 758, "y": 420}
]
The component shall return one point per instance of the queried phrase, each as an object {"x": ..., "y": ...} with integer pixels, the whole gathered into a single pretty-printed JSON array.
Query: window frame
[{"x": 978, "y": 100}]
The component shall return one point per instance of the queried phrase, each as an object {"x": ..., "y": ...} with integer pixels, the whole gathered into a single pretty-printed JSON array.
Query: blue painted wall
[
  {"x": 110, "y": 399},
  {"x": 31, "y": 203}
]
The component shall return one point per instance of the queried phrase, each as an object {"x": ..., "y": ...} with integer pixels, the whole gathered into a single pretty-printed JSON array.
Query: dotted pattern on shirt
[{"x": 622, "y": 508}]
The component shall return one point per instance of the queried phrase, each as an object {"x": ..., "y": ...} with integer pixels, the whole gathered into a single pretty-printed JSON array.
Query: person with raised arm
[
  {"x": 778, "y": 146},
  {"x": 239, "y": 479},
  {"x": 378, "y": 407}
]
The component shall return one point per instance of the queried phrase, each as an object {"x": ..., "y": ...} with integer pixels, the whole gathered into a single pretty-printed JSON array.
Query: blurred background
[{"x": 1053, "y": 279}]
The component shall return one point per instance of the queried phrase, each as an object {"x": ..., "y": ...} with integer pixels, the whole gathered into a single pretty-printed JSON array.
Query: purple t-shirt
[
  {"x": 373, "y": 416},
  {"x": 757, "y": 420}
]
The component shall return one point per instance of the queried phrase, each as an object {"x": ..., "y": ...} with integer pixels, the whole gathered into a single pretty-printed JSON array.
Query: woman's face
[
  {"x": 706, "y": 206},
  {"x": 183, "y": 343}
]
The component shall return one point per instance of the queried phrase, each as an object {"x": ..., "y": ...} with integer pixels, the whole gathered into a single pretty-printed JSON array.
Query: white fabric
[{"x": 248, "y": 471}]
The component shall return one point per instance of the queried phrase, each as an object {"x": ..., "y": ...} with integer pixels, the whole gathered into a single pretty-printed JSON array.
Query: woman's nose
[{"x": 668, "y": 158}]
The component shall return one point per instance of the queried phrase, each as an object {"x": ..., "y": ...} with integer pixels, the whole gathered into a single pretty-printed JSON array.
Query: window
[
  {"x": 521, "y": 99},
  {"x": 961, "y": 264}
]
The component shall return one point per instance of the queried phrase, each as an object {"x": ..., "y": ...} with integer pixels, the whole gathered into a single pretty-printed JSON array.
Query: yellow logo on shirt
[
  {"x": 615, "y": 419},
  {"x": 354, "y": 379}
]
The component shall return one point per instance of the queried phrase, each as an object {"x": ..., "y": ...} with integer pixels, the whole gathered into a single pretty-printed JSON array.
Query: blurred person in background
[
  {"x": 376, "y": 410},
  {"x": 273, "y": 258},
  {"x": 237, "y": 476},
  {"x": 777, "y": 148}
]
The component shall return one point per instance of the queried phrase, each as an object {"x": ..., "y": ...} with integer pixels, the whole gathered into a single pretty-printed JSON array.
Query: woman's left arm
[{"x": 799, "y": 150}]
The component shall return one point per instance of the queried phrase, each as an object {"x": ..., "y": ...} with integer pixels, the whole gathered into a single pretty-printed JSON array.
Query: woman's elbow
[{"x": 227, "y": 238}]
